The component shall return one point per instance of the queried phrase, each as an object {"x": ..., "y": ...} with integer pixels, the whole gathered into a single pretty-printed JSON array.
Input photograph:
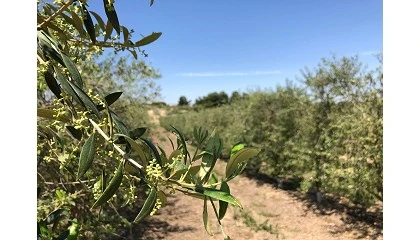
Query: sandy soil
[{"x": 269, "y": 212}]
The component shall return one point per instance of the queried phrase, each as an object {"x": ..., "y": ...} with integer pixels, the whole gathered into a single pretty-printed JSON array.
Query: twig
[
  {"x": 65, "y": 5},
  {"x": 70, "y": 183},
  {"x": 123, "y": 154}
]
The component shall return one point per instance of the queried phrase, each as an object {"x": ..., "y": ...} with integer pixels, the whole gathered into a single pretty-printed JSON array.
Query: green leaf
[
  {"x": 236, "y": 148},
  {"x": 52, "y": 84},
  {"x": 189, "y": 173},
  {"x": 77, "y": 23},
  {"x": 214, "y": 179},
  {"x": 87, "y": 101},
  {"x": 125, "y": 34},
  {"x": 206, "y": 218},
  {"x": 112, "y": 15},
  {"x": 54, "y": 216},
  {"x": 136, "y": 147},
  {"x": 151, "y": 2},
  {"x": 174, "y": 154},
  {"x": 138, "y": 132},
  {"x": 103, "y": 181},
  {"x": 207, "y": 163},
  {"x": 111, "y": 98},
  {"x": 50, "y": 114},
  {"x": 112, "y": 188},
  {"x": 222, "y": 204},
  {"x": 63, "y": 235},
  {"x": 148, "y": 205},
  {"x": 149, "y": 39},
  {"x": 217, "y": 194},
  {"x": 90, "y": 27},
  {"x": 86, "y": 156},
  {"x": 76, "y": 133},
  {"x": 172, "y": 143},
  {"x": 133, "y": 53},
  {"x": 154, "y": 150},
  {"x": 214, "y": 145},
  {"x": 65, "y": 84},
  {"x": 108, "y": 30},
  {"x": 120, "y": 124},
  {"x": 180, "y": 136},
  {"x": 74, "y": 231},
  {"x": 234, "y": 165},
  {"x": 200, "y": 135},
  {"x": 161, "y": 195},
  {"x": 75, "y": 75},
  {"x": 98, "y": 18},
  {"x": 48, "y": 46}
]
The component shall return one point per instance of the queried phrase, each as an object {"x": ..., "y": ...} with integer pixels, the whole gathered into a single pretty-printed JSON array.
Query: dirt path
[{"x": 269, "y": 213}]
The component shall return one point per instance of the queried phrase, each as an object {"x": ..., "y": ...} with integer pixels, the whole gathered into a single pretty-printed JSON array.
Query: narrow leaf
[
  {"x": 76, "y": 133},
  {"x": 148, "y": 205},
  {"x": 234, "y": 165},
  {"x": 86, "y": 156},
  {"x": 53, "y": 217},
  {"x": 151, "y": 2},
  {"x": 125, "y": 34},
  {"x": 65, "y": 84},
  {"x": 154, "y": 150},
  {"x": 236, "y": 148},
  {"x": 180, "y": 136},
  {"x": 90, "y": 27},
  {"x": 206, "y": 218},
  {"x": 206, "y": 164},
  {"x": 217, "y": 194},
  {"x": 120, "y": 124},
  {"x": 50, "y": 114},
  {"x": 112, "y": 188},
  {"x": 149, "y": 39},
  {"x": 48, "y": 47},
  {"x": 52, "y": 84},
  {"x": 75, "y": 75},
  {"x": 111, "y": 98},
  {"x": 133, "y": 53},
  {"x": 63, "y": 236},
  {"x": 136, "y": 148},
  {"x": 174, "y": 154},
  {"x": 161, "y": 195},
  {"x": 87, "y": 101},
  {"x": 108, "y": 30},
  {"x": 112, "y": 15},
  {"x": 77, "y": 23},
  {"x": 222, "y": 204},
  {"x": 98, "y": 18},
  {"x": 138, "y": 132}
]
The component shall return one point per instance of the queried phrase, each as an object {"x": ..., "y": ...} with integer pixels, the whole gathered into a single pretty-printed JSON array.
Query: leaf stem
[{"x": 218, "y": 220}]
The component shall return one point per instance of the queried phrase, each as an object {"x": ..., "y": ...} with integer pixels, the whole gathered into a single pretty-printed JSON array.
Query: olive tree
[{"x": 92, "y": 167}]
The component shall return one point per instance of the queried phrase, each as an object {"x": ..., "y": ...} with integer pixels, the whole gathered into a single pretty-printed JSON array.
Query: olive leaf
[
  {"x": 112, "y": 187},
  {"x": 222, "y": 204},
  {"x": 86, "y": 156},
  {"x": 112, "y": 15},
  {"x": 148, "y": 39},
  {"x": 148, "y": 205},
  {"x": 90, "y": 27}
]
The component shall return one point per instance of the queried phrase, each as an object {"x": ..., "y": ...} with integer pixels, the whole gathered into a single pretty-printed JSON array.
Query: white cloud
[{"x": 223, "y": 74}]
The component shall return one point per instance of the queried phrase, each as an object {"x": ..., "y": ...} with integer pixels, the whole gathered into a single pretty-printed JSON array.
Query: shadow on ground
[
  {"x": 150, "y": 227},
  {"x": 367, "y": 221}
]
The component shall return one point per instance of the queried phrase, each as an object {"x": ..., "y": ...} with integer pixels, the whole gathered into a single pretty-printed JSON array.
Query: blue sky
[{"x": 226, "y": 46}]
